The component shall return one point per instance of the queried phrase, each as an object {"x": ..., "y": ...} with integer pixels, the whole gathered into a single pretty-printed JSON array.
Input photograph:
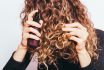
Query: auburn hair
[{"x": 54, "y": 42}]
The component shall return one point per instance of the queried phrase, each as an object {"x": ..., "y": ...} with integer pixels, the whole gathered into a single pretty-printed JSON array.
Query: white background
[{"x": 10, "y": 28}]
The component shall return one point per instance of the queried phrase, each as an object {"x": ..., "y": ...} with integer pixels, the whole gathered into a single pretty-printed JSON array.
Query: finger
[
  {"x": 33, "y": 23},
  {"x": 31, "y": 29},
  {"x": 34, "y": 31},
  {"x": 70, "y": 29},
  {"x": 41, "y": 22},
  {"x": 75, "y": 34},
  {"x": 76, "y": 25},
  {"x": 27, "y": 35},
  {"x": 76, "y": 39},
  {"x": 80, "y": 34},
  {"x": 80, "y": 42},
  {"x": 30, "y": 16},
  {"x": 33, "y": 37}
]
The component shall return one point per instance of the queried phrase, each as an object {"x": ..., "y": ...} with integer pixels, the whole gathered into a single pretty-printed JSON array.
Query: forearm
[
  {"x": 84, "y": 58},
  {"x": 20, "y": 53}
]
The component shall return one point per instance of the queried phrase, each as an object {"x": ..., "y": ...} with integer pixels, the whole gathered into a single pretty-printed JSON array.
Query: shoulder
[
  {"x": 100, "y": 33},
  {"x": 99, "y": 65},
  {"x": 100, "y": 37}
]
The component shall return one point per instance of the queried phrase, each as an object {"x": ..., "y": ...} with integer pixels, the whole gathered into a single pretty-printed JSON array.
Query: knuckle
[
  {"x": 29, "y": 22},
  {"x": 26, "y": 23}
]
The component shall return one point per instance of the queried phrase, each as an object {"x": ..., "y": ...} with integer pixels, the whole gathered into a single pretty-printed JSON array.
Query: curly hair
[{"x": 54, "y": 42}]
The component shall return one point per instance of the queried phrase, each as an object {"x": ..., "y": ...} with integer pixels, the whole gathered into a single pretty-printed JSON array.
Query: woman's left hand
[{"x": 79, "y": 34}]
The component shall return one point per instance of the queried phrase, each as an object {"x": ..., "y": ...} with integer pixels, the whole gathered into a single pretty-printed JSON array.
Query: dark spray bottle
[{"x": 33, "y": 44}]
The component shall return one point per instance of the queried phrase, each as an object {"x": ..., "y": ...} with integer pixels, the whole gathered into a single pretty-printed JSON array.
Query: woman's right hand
[
  {"x": 26, "y": 29},
  {"x": 22, "y": 48}
]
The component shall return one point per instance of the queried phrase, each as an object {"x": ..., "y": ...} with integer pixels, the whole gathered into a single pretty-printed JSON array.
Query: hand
[
  {"x": 77, "y": 33},
  {"x": 26, "y": 29},
  {"x": 22, "y": 48}
]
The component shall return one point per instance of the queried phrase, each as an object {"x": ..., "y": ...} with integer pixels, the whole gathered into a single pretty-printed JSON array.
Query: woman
[{"x": 76, "y": 27}]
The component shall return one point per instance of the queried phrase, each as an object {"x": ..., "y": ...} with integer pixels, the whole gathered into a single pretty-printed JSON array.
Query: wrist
[
  {"x": 20, "y": 53},
  {"x": 22, "y": 47},
  {"x": 84, "y": 58},
  {"x": 83, "y": 51}
]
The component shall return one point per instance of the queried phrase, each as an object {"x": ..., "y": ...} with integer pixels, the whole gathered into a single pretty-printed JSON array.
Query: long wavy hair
[{"x": 54, "y": 42}]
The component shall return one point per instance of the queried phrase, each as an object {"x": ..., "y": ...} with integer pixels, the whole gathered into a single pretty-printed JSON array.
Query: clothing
[
  {"x": 61, "y": 63},
  {"x": 33, "y": 65}
]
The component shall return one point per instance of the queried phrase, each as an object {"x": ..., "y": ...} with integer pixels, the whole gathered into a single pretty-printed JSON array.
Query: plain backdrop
[{"x": 10, "y": 26}]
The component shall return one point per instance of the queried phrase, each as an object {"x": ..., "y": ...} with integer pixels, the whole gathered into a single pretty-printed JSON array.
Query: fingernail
[{"x": 41, "y": 22}]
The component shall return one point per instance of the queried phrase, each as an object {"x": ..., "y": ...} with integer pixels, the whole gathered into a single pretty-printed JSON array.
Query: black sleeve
[
  {"x": 98, "y": 64},
  {"x": 89, "y": 67},
  {"x": 15, "y": 65}
]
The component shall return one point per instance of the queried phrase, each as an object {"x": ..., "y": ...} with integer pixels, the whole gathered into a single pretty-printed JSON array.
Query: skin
[{"x": 76, "y": 31}]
